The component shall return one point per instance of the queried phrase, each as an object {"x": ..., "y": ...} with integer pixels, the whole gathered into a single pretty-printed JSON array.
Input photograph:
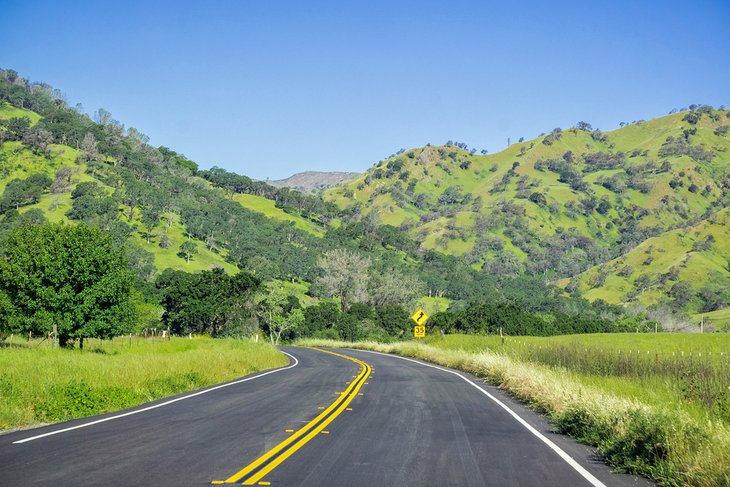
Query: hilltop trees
[{"x": 70, "y": 278}]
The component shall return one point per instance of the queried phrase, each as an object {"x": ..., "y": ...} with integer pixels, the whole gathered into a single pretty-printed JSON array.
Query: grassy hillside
[
  {"x": 21, "y": 162},
  {"x": 552, "y": 208},
  {"x": 559, "y": 204},
  {"x": 268, "y": 208},
  {"x": 679, "y": 263},
  {"x": 7, "y": 111}
]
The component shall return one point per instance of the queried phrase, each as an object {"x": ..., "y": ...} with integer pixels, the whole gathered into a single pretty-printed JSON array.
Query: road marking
[
  {"x": 267, "y": 462},
  {"x": 166, "y": 403},
  {"x": 567, "y": 458}
]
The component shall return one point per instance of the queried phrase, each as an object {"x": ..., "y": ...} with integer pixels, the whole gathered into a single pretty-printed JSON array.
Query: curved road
[{"x": 353, "y": 418}]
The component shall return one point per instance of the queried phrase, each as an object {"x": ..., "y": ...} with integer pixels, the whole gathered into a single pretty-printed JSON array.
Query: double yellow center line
[{"x": 259, "y": 468}]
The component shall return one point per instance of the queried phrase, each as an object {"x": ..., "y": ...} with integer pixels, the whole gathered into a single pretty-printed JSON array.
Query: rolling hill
[{"x": 560, "y": 204}]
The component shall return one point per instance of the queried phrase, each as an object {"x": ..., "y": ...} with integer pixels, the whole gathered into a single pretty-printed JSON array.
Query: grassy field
[
  {"x": 43, "y": 385},
  {"x": 688, "y": 371},
  {"x": 641, "y": 417}
]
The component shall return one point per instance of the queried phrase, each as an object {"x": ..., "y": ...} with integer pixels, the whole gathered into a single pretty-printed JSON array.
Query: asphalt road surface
[{"x": 353, "y": 418}]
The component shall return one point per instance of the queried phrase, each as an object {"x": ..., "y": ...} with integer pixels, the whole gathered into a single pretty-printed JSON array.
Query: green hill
[
  {"x": 557, "y": 205},
  {"x": 688, "y": 267}
]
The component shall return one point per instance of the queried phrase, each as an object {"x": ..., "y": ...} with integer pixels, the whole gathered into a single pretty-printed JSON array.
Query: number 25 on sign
[{"x": 420, "y": 317}]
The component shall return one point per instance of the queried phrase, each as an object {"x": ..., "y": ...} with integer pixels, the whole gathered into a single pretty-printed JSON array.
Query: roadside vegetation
[
  {"x": 40, "y": 384},
  {"x": 642, "y": 417}
]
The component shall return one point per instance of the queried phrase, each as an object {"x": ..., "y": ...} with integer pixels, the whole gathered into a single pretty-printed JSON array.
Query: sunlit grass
[{"x": 39, "y": 384}]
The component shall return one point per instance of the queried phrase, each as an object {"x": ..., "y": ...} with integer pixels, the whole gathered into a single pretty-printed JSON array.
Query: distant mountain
[{"x": 314, "y": 180}]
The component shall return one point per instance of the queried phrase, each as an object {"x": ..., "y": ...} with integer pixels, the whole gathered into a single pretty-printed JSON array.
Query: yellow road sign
[
  {"x": 420, "y": 317},
  {"x": 419, "y": 331}
]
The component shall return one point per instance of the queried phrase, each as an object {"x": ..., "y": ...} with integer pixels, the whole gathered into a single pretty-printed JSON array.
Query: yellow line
[{"x": 297, "y": 440}]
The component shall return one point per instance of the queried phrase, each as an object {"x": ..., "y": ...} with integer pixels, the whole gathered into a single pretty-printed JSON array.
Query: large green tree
[
  {"x": 204, "y": 302},
  {"x": 68, "y": 276}
]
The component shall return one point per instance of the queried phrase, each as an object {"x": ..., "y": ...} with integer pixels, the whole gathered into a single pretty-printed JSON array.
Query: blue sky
[{"x": 269, "y": 88}]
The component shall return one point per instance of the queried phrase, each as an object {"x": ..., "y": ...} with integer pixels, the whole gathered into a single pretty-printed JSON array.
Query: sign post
[{"x": 419, "y": 317}]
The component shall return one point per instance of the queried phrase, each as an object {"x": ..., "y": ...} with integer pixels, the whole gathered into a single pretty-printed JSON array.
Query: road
[{"x": 349, "y": 418}]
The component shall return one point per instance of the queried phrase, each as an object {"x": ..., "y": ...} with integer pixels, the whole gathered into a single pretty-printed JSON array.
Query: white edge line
[
  {"x": 568, "y": 459},
  {"x": 166, "y": 403}
]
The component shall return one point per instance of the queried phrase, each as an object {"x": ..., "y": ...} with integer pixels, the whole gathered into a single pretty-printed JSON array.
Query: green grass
[
  {"x": 433, "y": 305},
  {"x": 8, "y": 111},
  {"x": 268, "y": 208},
  {"x": 40, "y": 385},
  {"x": 656, "y": 256},
  {"x": 167, "y": 258},
  {"x": 719, "y": 319},
  {"x": 690, "y": 371},
  {"x": 637, "y": 425}
]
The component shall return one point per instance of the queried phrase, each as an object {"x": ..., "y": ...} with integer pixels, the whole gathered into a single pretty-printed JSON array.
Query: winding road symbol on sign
[{"x": 420, "y": 317}]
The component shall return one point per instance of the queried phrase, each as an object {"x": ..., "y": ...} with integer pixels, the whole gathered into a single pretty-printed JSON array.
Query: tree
[
  {"x": 344, "y": 274},
  {"x": 88, "y": 146},
  {"x": 165, "y": 242},
  {"x": 278, "y": 312},
  {"x": 70, "y": 277},
  {"x": 322, "y": 316},
  {"x": 394, "y": 288},
  {"x": 140, "y": 261},
  {"x": 393, "y": 319},
  {"x": 150, "y": 219},
  {"x": 39, "y": 139},
  {"x": 21, "y": 192},
  {"x": 16, "y": 128},
  {"x": 209, "y": 302},
  {"x": 187, "y": 250}
]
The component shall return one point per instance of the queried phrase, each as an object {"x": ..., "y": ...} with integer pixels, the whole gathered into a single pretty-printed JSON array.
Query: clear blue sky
[{"x": 269, "y": 88}]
